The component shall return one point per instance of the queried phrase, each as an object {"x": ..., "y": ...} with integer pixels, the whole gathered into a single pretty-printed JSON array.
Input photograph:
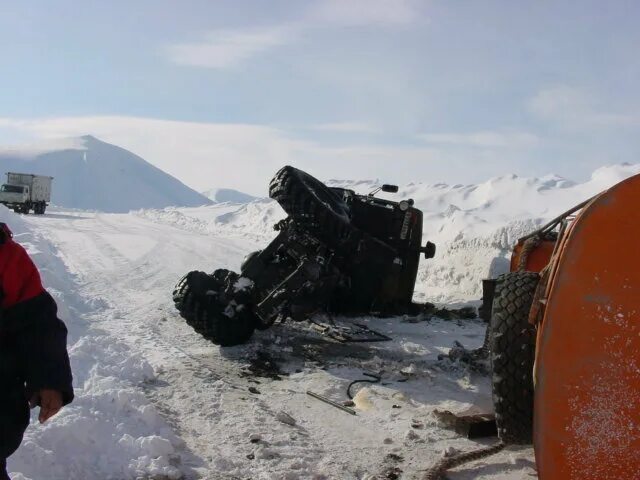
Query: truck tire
[
  {"x": 223, "y": 315},
  {"x": 308, "y": 200},
  {"x": 512, "y": 342},
  {"x": 184, "y": 296}
]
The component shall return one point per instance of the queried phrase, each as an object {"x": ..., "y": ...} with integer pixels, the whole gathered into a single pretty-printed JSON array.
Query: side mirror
[{"x": 389, "y": 188}]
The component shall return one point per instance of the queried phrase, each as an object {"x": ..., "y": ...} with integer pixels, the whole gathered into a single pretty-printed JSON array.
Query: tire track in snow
[{"x": 193, "y": 390}]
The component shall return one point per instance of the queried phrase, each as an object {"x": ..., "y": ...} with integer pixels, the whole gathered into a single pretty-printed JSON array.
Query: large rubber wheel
[
  {"x": 223, "y": 314},
  {"x": 188, "y": 287},
  {"x": 307, "y": 199},
  {"x": 512, "y": 342}
]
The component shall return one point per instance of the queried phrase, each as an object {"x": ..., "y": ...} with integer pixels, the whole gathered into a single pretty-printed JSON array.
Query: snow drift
[
  {"x": 110, "y": 429},
  {"x": 228, "y": 195},
  {"x": 474, "y": 226}
]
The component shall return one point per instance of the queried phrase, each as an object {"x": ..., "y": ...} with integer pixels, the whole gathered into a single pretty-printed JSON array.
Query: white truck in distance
[{"x": 24, "y": 191}]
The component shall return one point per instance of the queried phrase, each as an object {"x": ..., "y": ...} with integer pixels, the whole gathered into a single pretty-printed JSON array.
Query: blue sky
[{"x": 221, "y": 93}]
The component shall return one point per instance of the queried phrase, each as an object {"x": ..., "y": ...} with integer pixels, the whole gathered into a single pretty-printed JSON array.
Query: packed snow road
[{"x": 155, "y": 400}]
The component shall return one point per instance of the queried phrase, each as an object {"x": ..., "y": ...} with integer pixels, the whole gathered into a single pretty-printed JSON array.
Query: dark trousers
[{"x": 3, "y": 469}]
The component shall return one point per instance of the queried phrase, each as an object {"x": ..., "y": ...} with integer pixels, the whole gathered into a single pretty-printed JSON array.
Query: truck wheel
[
  {"x": 183, "y": 295},
  {"x": 513, "y": 341},
  {"x": 307, "y": 199},
  {"x": 223, "y": 314}
]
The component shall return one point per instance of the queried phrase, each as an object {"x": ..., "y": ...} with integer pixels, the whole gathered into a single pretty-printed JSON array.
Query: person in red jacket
[{"x": 34, "y": 364}]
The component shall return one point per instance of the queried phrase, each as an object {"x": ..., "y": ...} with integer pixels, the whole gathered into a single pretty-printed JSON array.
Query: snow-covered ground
[{"x": 156, "y": 401}]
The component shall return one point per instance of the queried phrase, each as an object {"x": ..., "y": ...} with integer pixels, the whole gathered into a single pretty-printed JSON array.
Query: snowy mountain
[
  {"x": 228, "y": 195},
  {"x": 93, "y": 175}
]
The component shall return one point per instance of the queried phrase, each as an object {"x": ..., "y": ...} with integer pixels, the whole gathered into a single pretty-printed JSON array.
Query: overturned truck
[{"x": 337, "y": 252}]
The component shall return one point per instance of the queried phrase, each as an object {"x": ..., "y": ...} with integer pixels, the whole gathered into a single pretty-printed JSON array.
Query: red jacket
[
  {"x": 19, "y": 277},
  {"x": 33, "y": 342}
]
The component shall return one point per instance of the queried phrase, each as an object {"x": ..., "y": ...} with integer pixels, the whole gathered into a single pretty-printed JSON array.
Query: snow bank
[
  {"x": 474, "y": 226},
  {"x": 110, "y": 431}
]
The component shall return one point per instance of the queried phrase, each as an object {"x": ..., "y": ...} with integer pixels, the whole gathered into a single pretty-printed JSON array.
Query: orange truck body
[{"x": 587, "y": 369}]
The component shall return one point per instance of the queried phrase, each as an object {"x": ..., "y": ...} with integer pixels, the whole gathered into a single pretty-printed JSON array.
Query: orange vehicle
[{"x": 565, "y": 341}]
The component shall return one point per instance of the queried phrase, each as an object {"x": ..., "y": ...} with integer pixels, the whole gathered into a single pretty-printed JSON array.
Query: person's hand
[{"x": 50, "y": 402}]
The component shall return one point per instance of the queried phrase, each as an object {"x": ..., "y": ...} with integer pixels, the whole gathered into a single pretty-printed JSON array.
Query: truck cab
[{"x": 14, "y": 193}]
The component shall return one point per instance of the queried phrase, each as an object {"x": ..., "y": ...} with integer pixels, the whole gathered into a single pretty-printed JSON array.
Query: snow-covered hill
[
  {"x": 93, "y": 175},
  {"x": 228, "y": 195}
]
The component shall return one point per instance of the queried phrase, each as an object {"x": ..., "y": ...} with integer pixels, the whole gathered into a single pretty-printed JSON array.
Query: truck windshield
[{"x": 12, "y": 188}]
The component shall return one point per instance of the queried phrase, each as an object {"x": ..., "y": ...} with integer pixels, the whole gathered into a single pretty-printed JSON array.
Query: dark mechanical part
[
  {"x": 310, "y": 202},
  {"x": 512, "y": 340},
  {"x": 337, "y": 252},
  {"x": 488, "y": 291},
  {"x": 429, "y": 250},
  {"x": 373, "y": 378}
]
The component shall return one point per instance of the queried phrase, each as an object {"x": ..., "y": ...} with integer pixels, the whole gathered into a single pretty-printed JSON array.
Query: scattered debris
[
  {"x": 255, "y": 438},
  {"x": 393, "y": 473},
  {"x": 417, "y": 424},
  {"x": 284, "y": 417},
  {"x": 352, "y": 333},
  {"x": 411, "y": 436},
  {"x": 394, "y": 457},
  {"x": 477, "y": 359},
  {"x": 476, "y": 425},
  {"x": 331, "y": 402},
  {"x": 262, "y": 364},
  {"x": 464, "y": 313}
]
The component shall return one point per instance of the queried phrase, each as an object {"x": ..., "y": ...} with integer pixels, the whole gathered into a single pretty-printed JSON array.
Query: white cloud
[
  {"x": 484, "y": 139},
  {"x": 345, "y": 127},
  {"x": 575, "y": 109},
  {"x": 229, "y": 48},
  {"x": 365, "y": 12},
  {"x": 223, "y": 49}
]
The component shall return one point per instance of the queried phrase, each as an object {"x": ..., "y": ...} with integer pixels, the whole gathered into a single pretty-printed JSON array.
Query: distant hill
[
  {"x": 93, "y": 175},
  {"x": 228, "y": 195}
]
